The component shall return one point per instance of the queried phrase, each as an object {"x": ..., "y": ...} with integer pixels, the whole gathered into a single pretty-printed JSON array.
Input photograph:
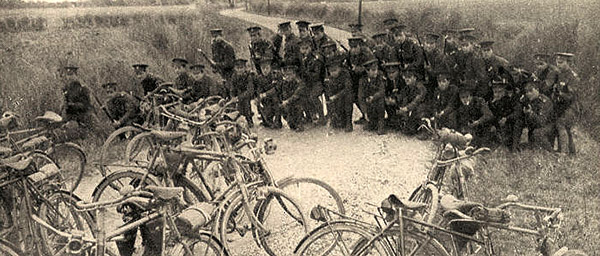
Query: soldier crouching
[
  {"x": 291, "y": 90},
  {"x": 371, "y": 91},
  {"x": 338, "y": 91},
  {"x": 268, "y": 100}
]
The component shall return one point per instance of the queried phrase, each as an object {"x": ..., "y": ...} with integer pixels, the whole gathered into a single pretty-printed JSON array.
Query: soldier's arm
[
  {"x": 249, "y": 92},
  {"x": 517, "y": 109},
  {"x": 299, "y": 92},
  {"x": 543, "y": 117},
  {"x": 417, "y": 57},
  {"x": 418, "y": 99},
  {"x": 487, "y": 113},
  {"x": 362, "y": 83},
  {"x": 452, "y": 101}
]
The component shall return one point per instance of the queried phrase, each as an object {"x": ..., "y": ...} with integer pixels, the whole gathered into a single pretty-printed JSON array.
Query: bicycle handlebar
[{"x": 467, "y": 155}]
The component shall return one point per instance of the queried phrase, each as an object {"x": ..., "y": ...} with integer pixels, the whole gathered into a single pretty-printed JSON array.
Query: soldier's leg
[
  {"x": 266, "y": 111},
  {"x": 317, "y": 104},
  {"x": 277, "y": 111},
  {"x": 355, "y": 79},
  {"x": 565, "y": 137},
  {"x": 246, "y": 111},
  {"x": 152, "y": 235},
  {"x": 541, "y": 135},
  {"x": 379, "y": 108}
]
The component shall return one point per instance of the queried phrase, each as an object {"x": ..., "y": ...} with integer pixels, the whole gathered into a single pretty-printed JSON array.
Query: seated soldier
[
  {"x": 291, "y": 90},
  {"x": 148, "y": 81},
  {"x": 473, "y": 116},
  {"x": 268, "y": 100},
  {"x": 538, "y": 112},
  {"x": 338, "y": 91},
  {"x": 122, "y": 108},
  {"x": 371, "y": 92},
  {"x": 200, "y": 84},
  {"x": 445, "y": 100},
  {"x": 409, "y": 103},
  {"x": 392, "y": 90},
  {"x": 183, "y": 80},
  {"x": 507, "y": 122}
]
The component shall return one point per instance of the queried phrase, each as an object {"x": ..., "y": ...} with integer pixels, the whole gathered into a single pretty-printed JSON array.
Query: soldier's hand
[
  {"x": 474, "y": 123},
  {"x": 284, "y": 103},
  {"x": 262, "y": 95},
  {"x": 439, "y": 114},
  {"x": 332, "y": 98},
  {"x": 369, "y": 99},
  {"x": 502, "y": 121},
  {"x": 389, "y": 101}
]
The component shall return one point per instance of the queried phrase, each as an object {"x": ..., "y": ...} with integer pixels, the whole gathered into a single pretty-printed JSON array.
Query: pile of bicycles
[{"x": 437, "y": 218}]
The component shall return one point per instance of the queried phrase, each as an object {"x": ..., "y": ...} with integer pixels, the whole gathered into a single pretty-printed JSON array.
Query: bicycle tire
[
  {"x": 213, "y": 246},
  {"x": 109, "y": 181},
  {"x": 429, "y": 195},
  {"x": 333, "y": 201},
  {"x": 81, "y": 220},
  {"x": 8, "y": 249},
  {"x": 234, "y": 206},
  {"x": 316, "y": 242},
  {"x": 72, "y": 170},
  {"x": 109, "y": 153},
  {"x": 134, "y": 148}
]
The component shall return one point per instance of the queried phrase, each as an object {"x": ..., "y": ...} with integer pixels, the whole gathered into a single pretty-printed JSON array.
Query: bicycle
[
  {"x": 398, "y": 230},
  {"x": 30, "y": 176},
  {"x": 159, "y": 205},
  {"x": 8, "y": 249},
  {"x": 50, "y": 139}
]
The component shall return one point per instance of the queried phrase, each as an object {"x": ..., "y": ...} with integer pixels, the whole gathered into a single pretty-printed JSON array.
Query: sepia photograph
[{"x": 299, "y": 127}]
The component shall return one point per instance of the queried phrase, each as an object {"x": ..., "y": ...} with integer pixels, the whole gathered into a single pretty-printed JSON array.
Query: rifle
[
  {"x": 101, "y": 106},
  {"x": 213, "y": 64},
  {"x": 341, "y": 45},
  {"x": 424, "y": 53}
]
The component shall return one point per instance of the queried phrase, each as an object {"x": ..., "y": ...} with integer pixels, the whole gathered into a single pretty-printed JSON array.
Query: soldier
[
  {"x": 451, "y": 42},
  {"x": 435, "y": 59},
  {"x": 77, "y": 105},
  {"x": 356, "y": 31},
  {"x": 268, "y": 99},
  {"x": 305, "y": 33},
  {"x": 388, "y": 24},
  {"x": 494, "y": 67},
  {"x": 223, "y": 53},
  {"x": 357, "y": 55},
  {"x": 312, "y": 73},
  {"x": 291, "y": 48},
  {"x": 291, "y": 90},
  {"x": 201, "y": 84},
  {"x": 241, "y": 87},
  {"x": 473, "y": 116},
  {"x": 507, "y": 122},
  {"x": 338, "y": 91},
  {"x": 405, "y": 51},
  {"x": 470, "y": 69},
  {"x": 148, "y": 81},
  {"x": 538, "y": 112},
  {"x": 409, "y": 103},
  {"x": 392, "y": 94},
  {"x": 122, "y": 108},
  {"x": 330, "y": 50},
  {"x": 564, "y": 97},
  {"x": 445, "y": 100},
  {"x": 545, "y": 73},
  {"x": 182, "y": 81},
  {"x": 319, "y": 35},
  {"x": 371, "y": 93},
  {"x": 381, "y": 50},
  {"x": 261, "y": 48}
]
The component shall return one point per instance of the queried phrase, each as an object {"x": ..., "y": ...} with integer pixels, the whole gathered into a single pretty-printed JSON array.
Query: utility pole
[{"x": 360, "y": 12}]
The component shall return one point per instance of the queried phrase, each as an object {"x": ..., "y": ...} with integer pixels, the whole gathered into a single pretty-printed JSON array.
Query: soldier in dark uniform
[
  {"x": 494, "y": 67},
  {"x": 436, "y": 59},
  {"x": 451, "y": 42},
  {"x": 470, "y": 70},
  {"x": 445, "y": 100},
  {"x": 223, "y": 54},
  {"x": 330, "y": 50},
  {"x": 564, "y": 97},
  {"x": 545, "y": 74},
  {"x": 291, "y": 44},
  {"x": 371, "y": 93},
  {"x": 474, "y": 116},
  {"x": 122, "y": 108},
  {"x": 77, "y": 105},
  {"x": 381, "y": 50},
  {"x": 148, "y": 81},
  {"x": 201, "y": 84},
  {"x": 312, "y": 73},
  {"x": 183, "y": 81},
  {"x": 338, "y": 92},
  {"x": 261, "y": 48},
  {"x": 268, "y": 98},
  {"x": 405, "y": 51},
  {"x": 319, "y": 35},
  {"x": 356, "y": 31},
  {"x": 388, "y": 24},
  {"x": 304, "y": 32},
  {"x": 508, "y": 120},
  {"x": 357, "y": 55},
  {"x": 392, "y": 93},
  {"x": 539, "y": 117},
  {"x": 409, "y": 103},
  {"x": 241, "y": 87},
  {"x": 291, "y": 90}
]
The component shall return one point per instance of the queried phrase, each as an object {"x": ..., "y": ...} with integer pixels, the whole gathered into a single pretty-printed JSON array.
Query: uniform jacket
[
  {"x": 242, "y": 86},
  {"x": 312, "y": 69},
  {"x": 357, "y": 59},
  {"x": 506, "y": 107},
  {"x": 547, "y": 78},
  {"x": 409, "y": 54},
  {"x": 374, "y": 87},
  {"x": 291, "y": 90},
  {"x": 183, "y": 81},
  {"x": 477, "y": 110},
  {"x": 446, "y": 100},
  {"x": 122, "y": 106},
  {"x": 492, "y": 66},
  {"x": 542, "y": 111},
  {"x": 268, "y": 83},
  {"x": 383, "y": 52},
  {"x": 566, "y": 83},
  {"x": 223, "y": 54},
  {"x": 338, "y": 86},
  {"x": 470, "y": 67},
  {"x": 200, "y": 88},
  {"x": 77, "y": 98},
  {"x": 150, "y": 82}
]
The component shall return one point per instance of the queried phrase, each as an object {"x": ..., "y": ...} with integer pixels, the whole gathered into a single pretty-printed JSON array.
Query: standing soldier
[
  {"x": 436, "y": 60},
  {"x": 338, "y": 91},
  {"x": 223, "y": 54},
  {"x": 494, "y": 66},
  {"x": 545, "y": 73},
  {"x": 148, "y": 81},
  {"x": 445, "y": 100},
  {"x": 330, "y": 50},
  {"x": 312, "y": 73},
  {"x": 473, "y": 116},
  {"x": 77, "y": 105},
  {"x": 507, "y": 116},
  {"x": 319, "y": 35},
  {"x": 260, "y": 48},
  {"x": 241, "y": 87},
  {"x": 183, "y": 81},
  {"x": 122, "y": 108},
  {"x": 388, "y": 24},
  {"x": 564, "y": 97},
  {"x": 405, "y": 51},
  {"x": 305, "y": 33},
  {"x": 358, "y": 54},
  {"x": 539, "y": 116},
  {"x": 381, "y": 49},
  {"x": 268, "y": 99},
  {"x": 201, "y": 84},
  {"x": 470, "y": 69},
  {"x": 356, "y": 31},
  {"x": 291, "y": 90},
  {"x": 371, "y": 93},
  {"x": 392, "y": 94},
  {"x": 291, "y": 48}
]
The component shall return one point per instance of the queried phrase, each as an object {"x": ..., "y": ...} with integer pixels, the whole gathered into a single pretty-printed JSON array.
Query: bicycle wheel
[
  {"x": 200, "y": 244},
  {"x": 71, "y": 160},
  {"x": 311, "y": 192},
  {"x": 140, "y": 150},
  {"x": 8, "y": 249},
  {"x": 341, "y": 238},
  {"x": 429, "y": 195},
  {"x": 58, "y": 211},
  {"x": 282, "y": 217},
  {"x": 111, "y": 154}
]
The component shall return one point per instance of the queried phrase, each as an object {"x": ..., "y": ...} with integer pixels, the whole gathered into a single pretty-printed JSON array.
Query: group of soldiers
[{"x": 394, "y": 78}]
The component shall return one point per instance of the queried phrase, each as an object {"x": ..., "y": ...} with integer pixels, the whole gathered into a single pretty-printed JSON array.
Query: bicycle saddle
[
  {"x": 394, "y": 201},
  {"x": 33, "y": 143},
  {"x": 165, "y": 193},
  {"x": 50, "y": 117},
  {"x": 166, "y": 135},
  {"x": 16, "y": 162}
]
